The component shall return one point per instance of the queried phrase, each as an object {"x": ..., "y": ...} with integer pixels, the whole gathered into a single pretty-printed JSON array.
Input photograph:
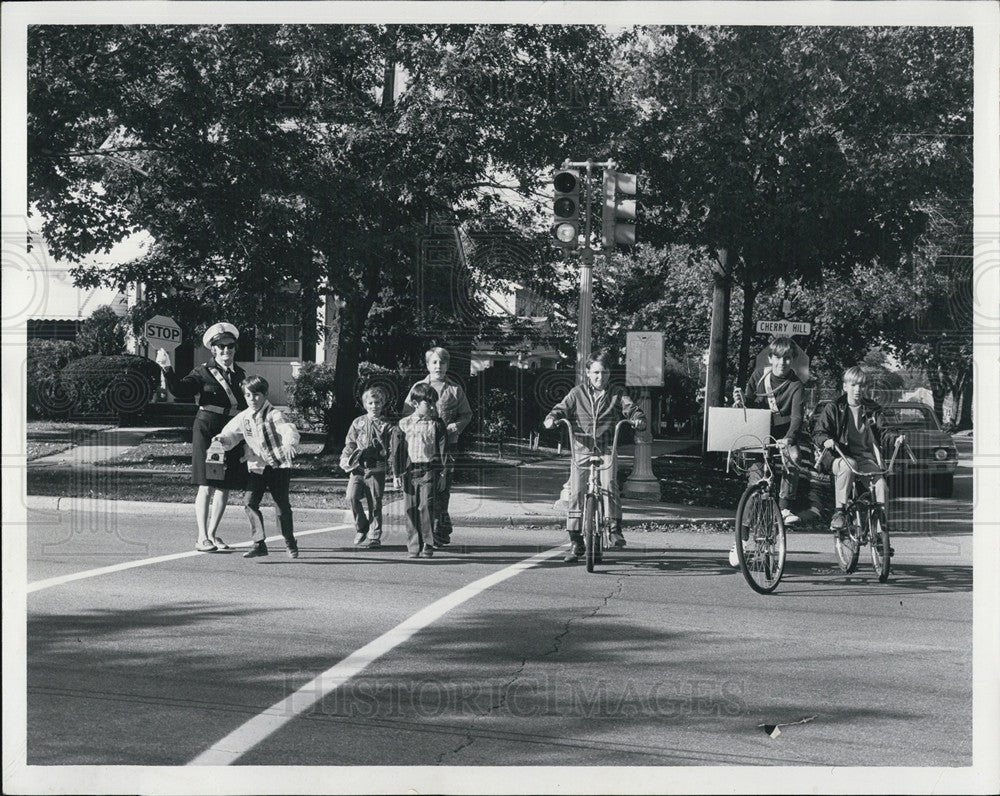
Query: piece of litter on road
[{"x": 774, "y": 732}]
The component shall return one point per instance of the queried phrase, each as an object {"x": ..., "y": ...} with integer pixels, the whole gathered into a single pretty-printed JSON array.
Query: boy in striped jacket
[{"x": 270, "y": 441}]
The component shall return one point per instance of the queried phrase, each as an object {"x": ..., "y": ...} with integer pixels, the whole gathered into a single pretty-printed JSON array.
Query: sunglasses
[{"x": 226, "y": 346}]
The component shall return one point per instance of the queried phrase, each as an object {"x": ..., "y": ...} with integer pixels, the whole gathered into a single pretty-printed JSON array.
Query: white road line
[
  {"x": 38, "y": 585},
  {"x": 244, "y": 738}
]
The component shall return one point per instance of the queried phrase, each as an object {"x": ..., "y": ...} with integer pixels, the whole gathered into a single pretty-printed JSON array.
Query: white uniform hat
[{"x": 219, "y": 330}]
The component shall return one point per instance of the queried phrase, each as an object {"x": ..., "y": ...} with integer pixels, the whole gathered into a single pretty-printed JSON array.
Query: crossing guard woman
[{"x": 218, "y": 387}]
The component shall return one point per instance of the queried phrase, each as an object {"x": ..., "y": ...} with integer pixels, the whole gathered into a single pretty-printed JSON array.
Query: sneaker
[
  {"x": 293, "y": 552},
  {"x": 373, "y": 543},
  {"x": 839, "y": 521},
  {"x": 360, "y": 537},
  {"x": 734, "y": 558},
  {"x": 428, "y": 551},
  {"x": 259, "y": 549},
  {"x": 617, "y": 540},
  {"x": 414, "y": 555},
  {"x": 788, "y": 517},
  {"x": 575, "y": 552}
]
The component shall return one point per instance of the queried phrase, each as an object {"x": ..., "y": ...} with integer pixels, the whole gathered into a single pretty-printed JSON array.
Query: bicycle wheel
[
  {"x": 848, "y": 542},
  {"x": 881, "y": 551},
  {"x": 762, "y": 560},
  {"x": 591, "y": 530}
]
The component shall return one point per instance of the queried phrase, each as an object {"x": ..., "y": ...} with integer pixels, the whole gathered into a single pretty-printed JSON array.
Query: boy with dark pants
[
  {"x": 454, "y": 410},
  {"x": 593, "y": 409},
  {"x": 366, "y": 458},
  {"x": 270, "y": 441},
  {"x": 853, "y": 421},
  {"x": 420, "y": 451}
]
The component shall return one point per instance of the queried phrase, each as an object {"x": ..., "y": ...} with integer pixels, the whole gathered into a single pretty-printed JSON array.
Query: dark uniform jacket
[{"x": 203, "y": 385}]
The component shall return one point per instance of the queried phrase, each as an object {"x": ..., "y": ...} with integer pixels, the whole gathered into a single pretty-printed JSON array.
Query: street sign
[
  {"x": 644, "y": 359},
  {"x": 783, "y": 328},
  {"x": 800, "y": 360},
  {"x": 162, "y": 332}
]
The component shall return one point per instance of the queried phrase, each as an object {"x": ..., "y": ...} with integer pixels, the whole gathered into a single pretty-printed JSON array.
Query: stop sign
[
  {"x": 162, "y": 332},
  {"x": 800, "y": 361}
]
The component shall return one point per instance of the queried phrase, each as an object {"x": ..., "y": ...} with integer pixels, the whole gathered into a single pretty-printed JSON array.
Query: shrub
[
  {"x": 46, "y": 397},
  {"x": 119, "y": 385},
  {"x": 499, "y": 415},
  {"x": 313, "y": 395},
  {"x": 102, "y": 333}
]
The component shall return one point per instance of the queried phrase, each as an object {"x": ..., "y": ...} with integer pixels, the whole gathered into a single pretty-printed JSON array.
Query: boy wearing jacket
[
  {"x": 366, "y": 459},
  {"x": 593, "y": 409},
  {"x": 854, "y": 422},
  {"x": 270, "y": 441}
]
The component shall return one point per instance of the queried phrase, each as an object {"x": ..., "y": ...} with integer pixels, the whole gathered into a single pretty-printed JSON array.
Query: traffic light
[
  {"x": 566, "y": 207},
  {"x": 618, "y": 218}
]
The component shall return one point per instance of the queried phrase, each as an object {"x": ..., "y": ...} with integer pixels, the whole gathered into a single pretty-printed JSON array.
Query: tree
[
  {"x": 102, "y": 333},
  {"x": 273, "y": 165},
  {"x": 802, "y": 152}
]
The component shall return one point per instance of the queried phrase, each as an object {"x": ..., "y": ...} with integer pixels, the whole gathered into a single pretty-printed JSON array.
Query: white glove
[{"x": 162, "y": 358}]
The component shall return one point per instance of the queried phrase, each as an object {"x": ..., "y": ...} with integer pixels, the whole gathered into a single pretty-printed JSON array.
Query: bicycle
[
  {"x": 760, "y": 528},
  {"x": 596, "y": 527},
  {"x": 866, "y": 520}
]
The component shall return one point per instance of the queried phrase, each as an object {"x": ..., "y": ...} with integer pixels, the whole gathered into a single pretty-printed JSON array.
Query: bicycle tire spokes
[{"x": 762, "y": 556}]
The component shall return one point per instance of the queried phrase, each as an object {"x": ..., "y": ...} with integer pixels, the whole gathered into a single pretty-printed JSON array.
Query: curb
[
  {"x": 54, "y": 503},
  {"x": 58, "y": 504}
]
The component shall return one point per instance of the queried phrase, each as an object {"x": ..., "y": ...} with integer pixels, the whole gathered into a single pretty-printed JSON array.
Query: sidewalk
[{"x": 523, "y": 494}]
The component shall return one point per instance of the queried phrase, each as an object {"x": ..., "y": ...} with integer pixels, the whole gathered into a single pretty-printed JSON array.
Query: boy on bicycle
[
  {"x": 854, "y": 423},
  {"x": 593, "y": 409},
  {"x": 778, "y": 387}
]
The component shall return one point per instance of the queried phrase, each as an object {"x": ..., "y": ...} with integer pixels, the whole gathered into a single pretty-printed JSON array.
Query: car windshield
[{"x": 909, "y": 417}]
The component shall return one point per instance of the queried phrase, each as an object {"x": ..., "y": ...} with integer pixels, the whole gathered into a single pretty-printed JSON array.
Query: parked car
[{"x": 936, "y": 454}]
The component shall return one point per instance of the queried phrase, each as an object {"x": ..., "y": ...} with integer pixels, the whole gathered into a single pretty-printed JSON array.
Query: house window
[{"x": 288, "y": 344}]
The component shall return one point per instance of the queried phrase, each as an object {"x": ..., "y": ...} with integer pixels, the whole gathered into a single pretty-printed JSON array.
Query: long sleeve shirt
[
  {"x": 787, "y": 393},
  {"x": 452, "y": 406},
  {"x": 419, "y": 441},
  {"x": 267, "y": 433},
  {"x": 593, "y": 415}
]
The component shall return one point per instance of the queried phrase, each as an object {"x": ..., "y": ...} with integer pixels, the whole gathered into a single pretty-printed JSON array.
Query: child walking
[
  {"x": 454, "y": 410},
  {"x": 271, "y": 441},
  {"x": 366, "y": 458},
  {"x": 420, "y": 452}
]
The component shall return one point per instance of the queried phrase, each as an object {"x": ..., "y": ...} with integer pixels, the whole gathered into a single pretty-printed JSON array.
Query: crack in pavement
[{"x": 470, "y": 739}]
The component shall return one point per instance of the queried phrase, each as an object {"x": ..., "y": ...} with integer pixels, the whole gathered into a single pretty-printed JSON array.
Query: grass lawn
[{"x": 45, "y": 437}]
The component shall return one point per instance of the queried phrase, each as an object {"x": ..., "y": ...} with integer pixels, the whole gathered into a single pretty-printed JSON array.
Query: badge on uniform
[{"x": 215, "y": 462}]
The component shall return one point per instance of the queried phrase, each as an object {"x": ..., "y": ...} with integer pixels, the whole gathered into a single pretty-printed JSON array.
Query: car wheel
[{"x": 943, "y": 486}]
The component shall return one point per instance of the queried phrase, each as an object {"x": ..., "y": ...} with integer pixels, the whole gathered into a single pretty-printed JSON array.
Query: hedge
[{"x": 120, "y": 385}]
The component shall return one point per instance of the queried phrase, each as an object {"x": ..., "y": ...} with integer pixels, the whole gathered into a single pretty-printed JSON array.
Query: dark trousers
[
  {"x": 275, "y": 481},
  {"x": 364, "y": 493},
  {"x": 442, "y": 529},
  {"x": 420, "y": 504}
]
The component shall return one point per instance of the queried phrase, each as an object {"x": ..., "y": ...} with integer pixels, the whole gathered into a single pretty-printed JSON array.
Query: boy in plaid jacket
[
  {"x": 366, "y": 459},
  {"x": 270, "y": 441}
]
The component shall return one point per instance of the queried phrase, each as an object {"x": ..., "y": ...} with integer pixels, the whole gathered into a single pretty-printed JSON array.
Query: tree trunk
[
  {"x": 715, "y": 379},
  {"x": 353, "y": 318},
  {"x": 937, "y": 390},
  {"x": 965, "y": 417},
  {"x": 746, "y": 332}
]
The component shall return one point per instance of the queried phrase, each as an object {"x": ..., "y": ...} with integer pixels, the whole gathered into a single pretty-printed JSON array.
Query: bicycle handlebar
[
  {"x": 887, "y": 470},
  {"x": 614, "y": 443}
]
